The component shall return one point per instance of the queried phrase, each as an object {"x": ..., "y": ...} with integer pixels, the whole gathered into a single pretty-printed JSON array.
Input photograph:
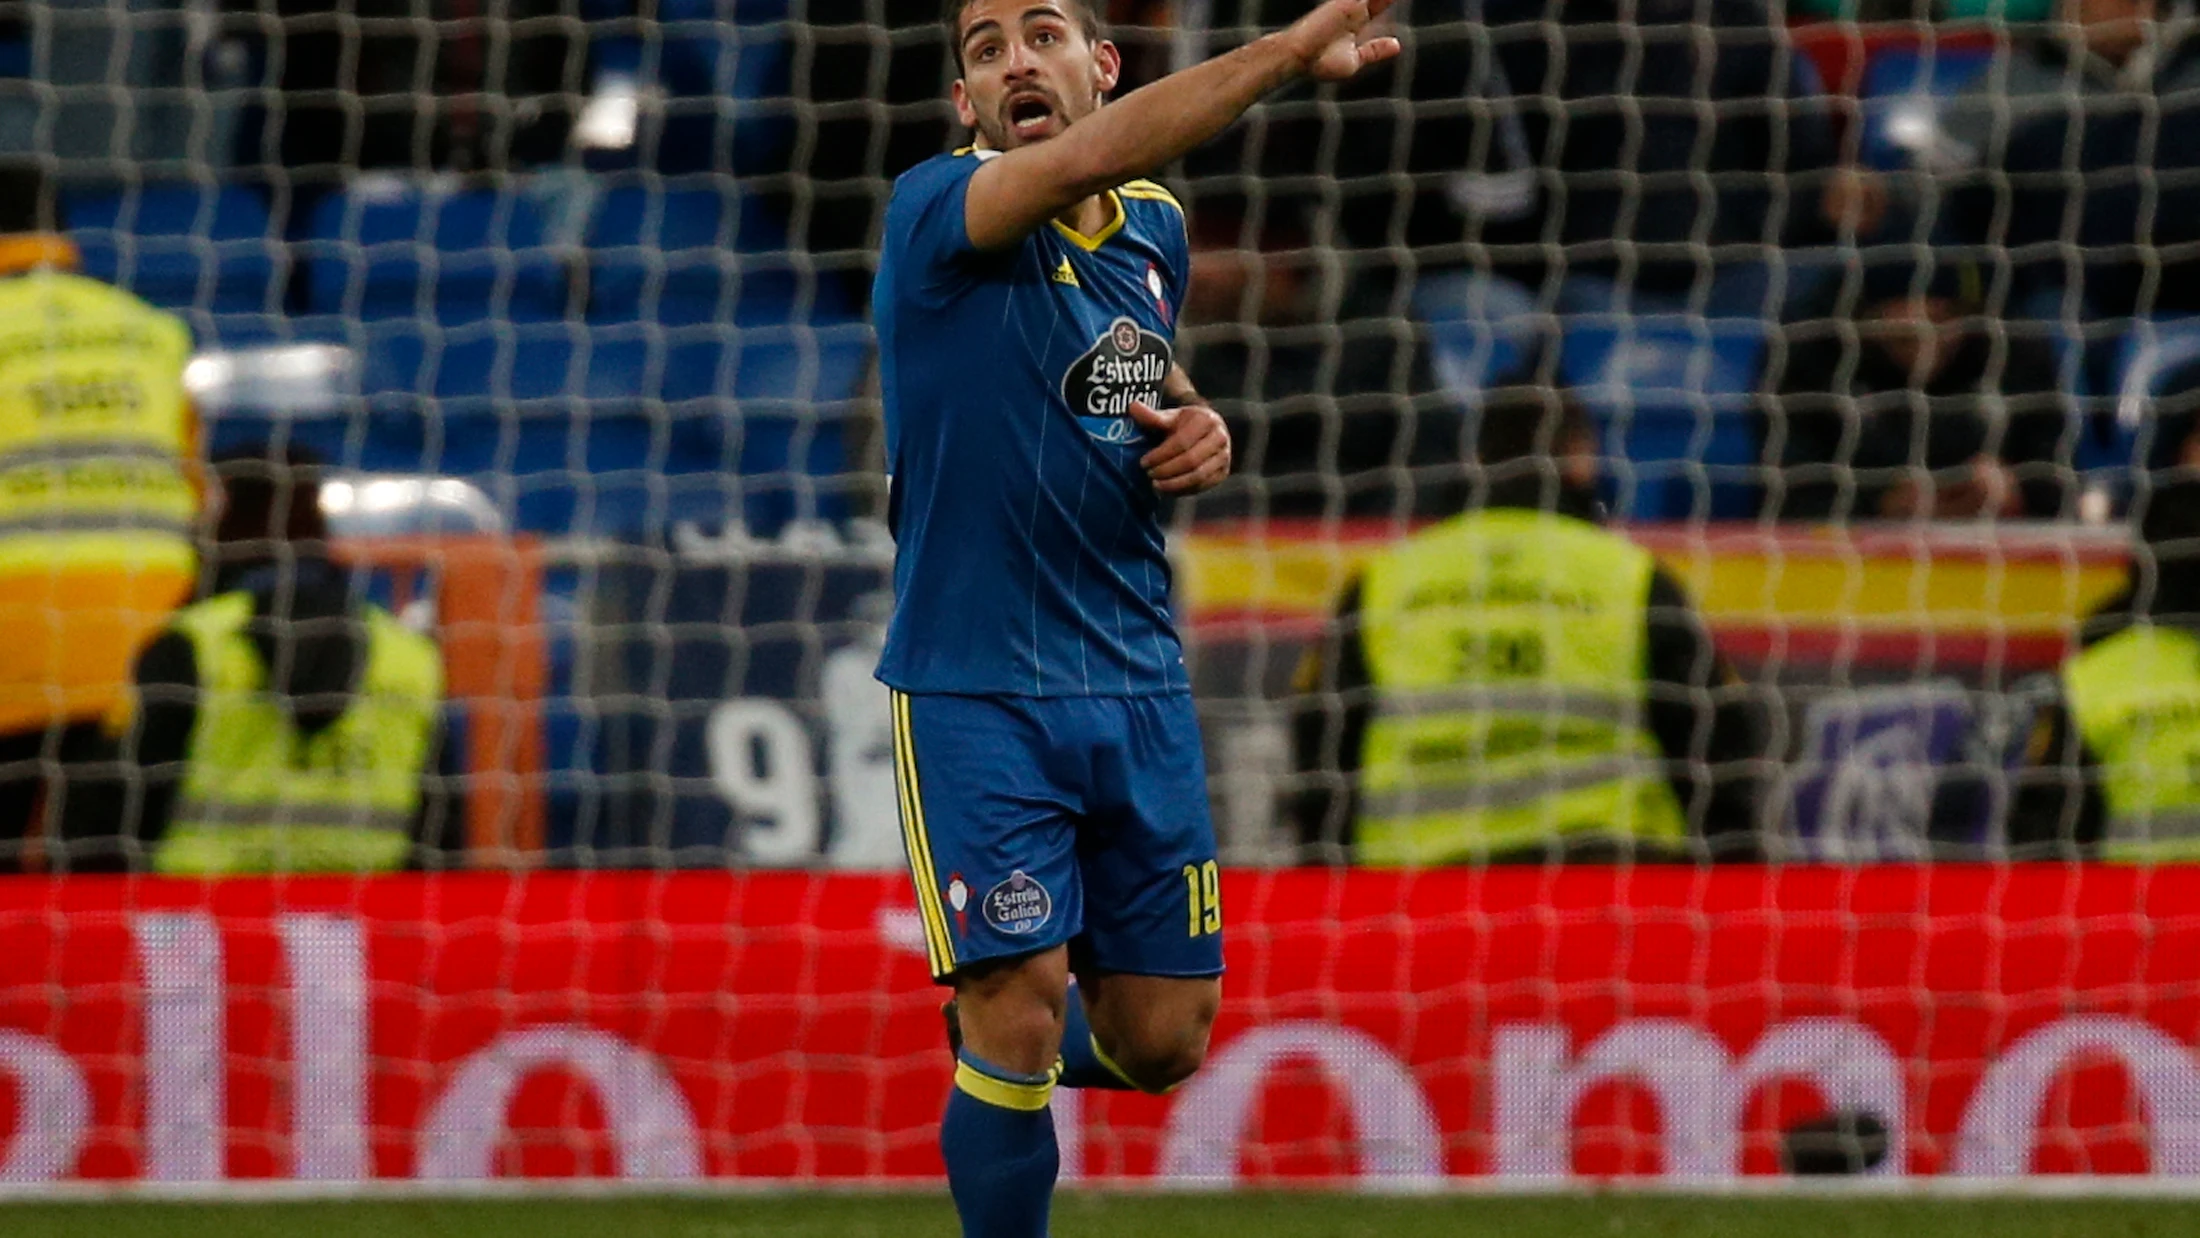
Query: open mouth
[{"x": 1030, "y": 115}]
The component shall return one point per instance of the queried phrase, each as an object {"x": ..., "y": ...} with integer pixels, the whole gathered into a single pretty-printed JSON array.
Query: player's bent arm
[
  {"x": 1176, "y": 385},
  {"x": 1194, "y": 453},
  {"x": 1158, "y": 123}
]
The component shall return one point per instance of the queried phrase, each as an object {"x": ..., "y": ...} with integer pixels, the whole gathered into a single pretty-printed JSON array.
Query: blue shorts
[{"x": 1034, "y": 822}]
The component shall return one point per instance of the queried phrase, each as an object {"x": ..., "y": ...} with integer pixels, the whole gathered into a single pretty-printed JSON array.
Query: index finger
[
  {"x": 1178, "y": 442},
  {"x": 1189, "y": 430},
  {"x": 1206, "y": 447},
  {"x": 1375, "y": 51}
]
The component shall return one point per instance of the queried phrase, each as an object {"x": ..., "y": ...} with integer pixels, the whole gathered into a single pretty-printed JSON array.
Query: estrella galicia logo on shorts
[
  {"x": 1018, "y": 905},
  {"x": 1126, "y": 363}
]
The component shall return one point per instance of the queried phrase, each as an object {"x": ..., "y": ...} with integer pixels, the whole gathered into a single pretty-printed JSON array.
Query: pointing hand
[{"x": 1328, "y": 40}]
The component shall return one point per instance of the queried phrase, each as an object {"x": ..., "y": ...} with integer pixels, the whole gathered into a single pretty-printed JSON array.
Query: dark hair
[
  {"x": 1087, "y": 13},
  {"x": 25, "y": 204},
  {"x": 1525, "y": 422},
  {"x": 270, "y": 495}
]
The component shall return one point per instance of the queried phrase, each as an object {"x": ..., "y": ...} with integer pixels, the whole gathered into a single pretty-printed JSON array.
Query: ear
[
  {"x": 1107, "y": 60},
  {"x": 965, "y": 113}
]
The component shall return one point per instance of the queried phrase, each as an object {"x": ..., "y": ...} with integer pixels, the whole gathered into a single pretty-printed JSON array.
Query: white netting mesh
[
  {"x": 603, "y": 271},
  {"x": 1878, "y": 327}
]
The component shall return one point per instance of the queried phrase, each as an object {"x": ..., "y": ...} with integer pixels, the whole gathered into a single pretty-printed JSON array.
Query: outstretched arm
[{"x": 1155, "y": 124}]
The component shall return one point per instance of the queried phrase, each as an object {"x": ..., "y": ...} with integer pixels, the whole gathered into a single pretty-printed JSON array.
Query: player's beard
[{"x": 1000, "y": 128}]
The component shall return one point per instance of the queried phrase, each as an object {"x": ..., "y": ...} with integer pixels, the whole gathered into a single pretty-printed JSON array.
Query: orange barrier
[{"x": 487, "y": 593}]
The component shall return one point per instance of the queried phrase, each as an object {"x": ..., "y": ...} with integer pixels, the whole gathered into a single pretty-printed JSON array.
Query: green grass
[{"x": 1101, "y": 1216}]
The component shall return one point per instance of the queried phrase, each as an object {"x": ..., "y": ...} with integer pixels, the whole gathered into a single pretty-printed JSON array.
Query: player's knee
[
  {"x": 1159, "y": 1068},
  {"x": 1012, "y": 1015},
  {"x": 1160, "y": 1053},
  {"x": 1023, "y": 1036}
]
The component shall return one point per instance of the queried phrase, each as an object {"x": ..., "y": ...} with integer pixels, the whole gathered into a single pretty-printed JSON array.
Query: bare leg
[{"x": 1152, "y": 1030}]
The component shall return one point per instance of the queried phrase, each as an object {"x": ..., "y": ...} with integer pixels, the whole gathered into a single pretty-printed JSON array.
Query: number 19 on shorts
[{"x": 1203, "y": 897}]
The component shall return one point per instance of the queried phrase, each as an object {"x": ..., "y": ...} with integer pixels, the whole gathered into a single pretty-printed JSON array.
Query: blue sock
[
  {"x": 998, "y": 1140},
  {"x": 1083, "y": 1065}
]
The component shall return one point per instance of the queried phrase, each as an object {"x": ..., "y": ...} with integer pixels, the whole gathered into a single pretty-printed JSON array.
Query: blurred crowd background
[{"x": 1876, "y": 324}]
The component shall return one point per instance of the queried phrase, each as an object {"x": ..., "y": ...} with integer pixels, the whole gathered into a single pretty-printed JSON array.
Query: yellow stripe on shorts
[{"x": 939, "y": 947}]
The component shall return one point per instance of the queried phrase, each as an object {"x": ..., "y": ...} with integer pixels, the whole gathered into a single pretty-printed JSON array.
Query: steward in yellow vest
[
  {"x": 1518, "y": 683},
  {"x": 98, "y": 497},
  {"x": 2114, "y": 760},
  {"x": 281, "y": 725}
]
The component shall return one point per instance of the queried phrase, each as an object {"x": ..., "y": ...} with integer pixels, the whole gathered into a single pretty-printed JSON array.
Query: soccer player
[{"x": 1053, "y": 795}]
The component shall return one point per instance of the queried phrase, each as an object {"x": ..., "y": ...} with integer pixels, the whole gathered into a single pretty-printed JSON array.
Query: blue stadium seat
[
  {"x": 476, "y": 367},
  {"x": 612, "y": 430},
  {"x": 1900, "y": 95},
  {"x": 694, "y": 296},
  {"x": 798, "y": 364},
  {"x": 182, "y": 246},
  {"x": 704, "y": 383},
  {"x": 564, "y": 468},
  {"x": 401, "y": 250},
  {"x": 661, "y": 256},
  {"x": 723, "y": 66},
  {"x": 1673, "y": 393}
]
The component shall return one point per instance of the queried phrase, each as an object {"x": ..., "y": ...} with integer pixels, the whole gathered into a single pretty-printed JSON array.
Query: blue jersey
[{"x": 1029, "y": 558}]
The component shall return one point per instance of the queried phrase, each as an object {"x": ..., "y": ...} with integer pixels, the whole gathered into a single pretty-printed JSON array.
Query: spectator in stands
[
  {"x": 1334, "y": 408},
  {"x": 1914, "y": 407},
  {"x": 1518, "y": 683},
  {"x": 2095, "y": 123},
  {"x": 2113, "y": 765},
  {"x": 1680, "y": 144},
  {"x": 1511, "y": 123},
  {"x": 282, "y": 724},
  {"x": 97, "y": 498},
  {"x": 412, "y": 87}
]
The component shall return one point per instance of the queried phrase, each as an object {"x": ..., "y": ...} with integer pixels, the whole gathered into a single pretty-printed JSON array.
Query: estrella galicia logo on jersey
[
  {"x": 1018, "y": 905},
  {"x": 1126, "y": 364}
]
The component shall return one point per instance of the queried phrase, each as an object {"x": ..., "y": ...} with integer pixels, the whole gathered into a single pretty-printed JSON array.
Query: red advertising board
[{"x": 1520, "y": 1022}]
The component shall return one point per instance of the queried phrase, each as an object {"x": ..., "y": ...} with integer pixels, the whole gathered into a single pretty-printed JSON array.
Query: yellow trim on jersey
[
  {"x": 1149, "y": 191},
  {"x": 1097, "y": 239},
  {"x": 1001, "y": 1094},
  {"x": 939, "y": 948},
  {"x": 1146, "y": 190}
]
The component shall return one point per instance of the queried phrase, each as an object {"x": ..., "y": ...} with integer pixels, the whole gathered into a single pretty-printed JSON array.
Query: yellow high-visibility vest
[
  {"x": 94, "y": 429},
  {"x": 259, "y": 796},
  {"x": 2135, "y": 699},
  {"x": 1507, "y": 653}
]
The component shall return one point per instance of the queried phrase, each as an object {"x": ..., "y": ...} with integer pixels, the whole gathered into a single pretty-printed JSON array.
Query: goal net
[{"x": 1872, "y": 335}]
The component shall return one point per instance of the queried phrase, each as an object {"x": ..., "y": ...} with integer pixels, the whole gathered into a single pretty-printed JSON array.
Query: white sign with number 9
[{"x": 760, "y": 759}]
